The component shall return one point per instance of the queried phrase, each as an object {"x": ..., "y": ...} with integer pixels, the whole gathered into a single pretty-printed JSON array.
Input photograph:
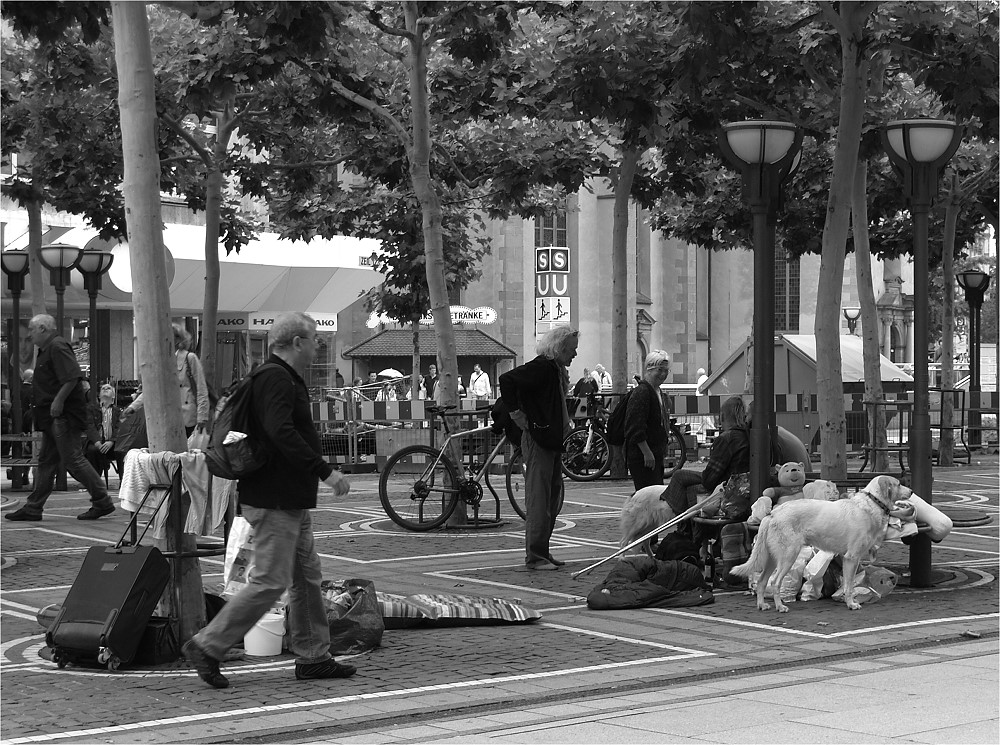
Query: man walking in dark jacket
[
  {"x": 60, "y": 414},
  {"x": 535, "y": 395},
  {"x": 276, "y": 500}
]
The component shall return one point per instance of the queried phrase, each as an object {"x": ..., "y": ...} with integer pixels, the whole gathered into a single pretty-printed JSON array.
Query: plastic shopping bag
[
  {"x": 354, "y": 615},
  {"x": 197, "y": 440},
  {"x": 239, "y": 556}
]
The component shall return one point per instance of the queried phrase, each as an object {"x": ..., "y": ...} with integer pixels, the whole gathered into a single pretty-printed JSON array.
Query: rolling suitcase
[{"x": 108, "y": 606}]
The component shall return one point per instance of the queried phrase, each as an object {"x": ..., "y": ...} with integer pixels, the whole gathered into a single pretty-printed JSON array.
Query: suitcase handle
[{"x": 133, "y": 522}]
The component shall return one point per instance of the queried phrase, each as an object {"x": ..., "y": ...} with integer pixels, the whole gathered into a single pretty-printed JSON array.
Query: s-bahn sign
[{"x": 553, "y": 304}]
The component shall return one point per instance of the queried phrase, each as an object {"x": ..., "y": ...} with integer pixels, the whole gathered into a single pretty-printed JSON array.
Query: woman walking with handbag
[{"x": 195, "y": 403}]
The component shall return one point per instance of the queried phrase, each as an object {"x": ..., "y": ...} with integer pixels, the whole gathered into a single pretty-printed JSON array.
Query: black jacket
[
  {"x": 644, "y": 420},
  {"x": 536, "y": 388},
  {"x": 282, "y": 417}
]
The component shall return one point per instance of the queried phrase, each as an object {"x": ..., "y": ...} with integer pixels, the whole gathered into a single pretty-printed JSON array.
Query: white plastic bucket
[{"x": 264, "y": 639}]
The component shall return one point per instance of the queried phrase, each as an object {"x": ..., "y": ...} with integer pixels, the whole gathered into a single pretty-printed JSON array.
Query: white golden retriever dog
[{"x": 851, "y": 528}]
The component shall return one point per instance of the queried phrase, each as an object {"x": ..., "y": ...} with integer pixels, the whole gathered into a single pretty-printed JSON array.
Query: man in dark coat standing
[
  {"x": 60, "y": 414},
  {"x": 535, "y": 395},
  {"x": 276, "y": 500}
]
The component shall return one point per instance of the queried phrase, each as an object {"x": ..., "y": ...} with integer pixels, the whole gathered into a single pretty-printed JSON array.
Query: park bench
[{"x": 19, "y": 453}]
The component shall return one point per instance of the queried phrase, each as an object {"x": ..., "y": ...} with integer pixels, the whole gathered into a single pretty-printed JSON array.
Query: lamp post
[
  {"x": 59, "y": 259},
  {"x": 15, "y": 266},
  {"x": 852, "y": 314},
  {"x": 765, "y": 153},
  {"x": 918, "y": 149},
  {"x": 975, "y": 283},
  {"x": 93, "y": 265}
]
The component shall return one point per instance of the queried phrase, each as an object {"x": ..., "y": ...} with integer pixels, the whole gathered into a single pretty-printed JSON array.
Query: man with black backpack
[
  {"x": 276, "y": 500},
  {"x": 646, "y": 424}
]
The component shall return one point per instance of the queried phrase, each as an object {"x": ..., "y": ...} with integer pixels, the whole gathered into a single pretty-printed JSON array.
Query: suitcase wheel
[
  {"x": 103, "y": 655},
  {"x": 114, "y": 663},
  {"x": 59, "y": 658}
]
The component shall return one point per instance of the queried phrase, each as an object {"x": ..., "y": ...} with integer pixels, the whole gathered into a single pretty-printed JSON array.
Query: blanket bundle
[{"x": 642, "y": 582}]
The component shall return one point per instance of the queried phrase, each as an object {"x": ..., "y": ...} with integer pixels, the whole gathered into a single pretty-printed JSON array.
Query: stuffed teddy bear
[{"x": 791, "y": 479}]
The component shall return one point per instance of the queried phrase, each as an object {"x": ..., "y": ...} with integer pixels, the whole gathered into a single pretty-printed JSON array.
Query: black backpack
[
  {"x": 503, "y": 424},
  {"x": 244, "y": 455},
  {"x": 615, "y": 432}
]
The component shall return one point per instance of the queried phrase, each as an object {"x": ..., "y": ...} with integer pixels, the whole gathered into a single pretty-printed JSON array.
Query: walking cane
[{"x": 683, "y": 516}]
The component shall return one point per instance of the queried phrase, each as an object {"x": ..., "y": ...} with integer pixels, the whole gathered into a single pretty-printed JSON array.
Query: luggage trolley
[{"x": 113, "y": 597}]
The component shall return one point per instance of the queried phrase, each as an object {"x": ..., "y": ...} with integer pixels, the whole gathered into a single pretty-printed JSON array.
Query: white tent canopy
[{"x": 268, "y": 274}]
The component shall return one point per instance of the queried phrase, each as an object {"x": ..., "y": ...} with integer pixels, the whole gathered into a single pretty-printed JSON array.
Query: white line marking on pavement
[
  {"x": 817, "y": 635},
  {"x": 20, "y": 606},
  {"x": 493, "y": 583},
  {"x": 627, "y": 639},
  {"x": 16, "y": 614},
  {"x": 235, "y": 713}
]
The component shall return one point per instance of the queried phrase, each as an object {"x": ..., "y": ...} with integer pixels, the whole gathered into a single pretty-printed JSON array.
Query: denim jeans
[
  {"x": 542, "y": 495},
  {"x": 284, "y": 557},
  {"x": 63, "y": 443}
]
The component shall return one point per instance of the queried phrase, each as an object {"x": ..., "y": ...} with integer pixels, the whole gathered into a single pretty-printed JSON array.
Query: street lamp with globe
[
  {"x": 975, "y": 282},
  {"x": 93, "y": 265},
  {"x": 59, "y": 259},
  {"x": 766, "y": 154},
  {"x": 852, "y": 314},
  {"x": 15, "y": 266},
  {"x": 918, "y": 149}
]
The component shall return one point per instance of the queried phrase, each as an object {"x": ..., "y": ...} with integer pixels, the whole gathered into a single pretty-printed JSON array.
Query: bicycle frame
[{"x": 483, "y": 475}]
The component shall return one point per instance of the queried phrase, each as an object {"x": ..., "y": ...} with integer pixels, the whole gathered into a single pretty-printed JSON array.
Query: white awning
[{"x": 268, "y": 274}]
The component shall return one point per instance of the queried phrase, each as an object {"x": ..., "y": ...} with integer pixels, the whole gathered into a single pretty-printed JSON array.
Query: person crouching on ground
[
  {"x": 535, "y": 396},
  {"x": 277, "y": 500},
  {"x": 645, "y": 424}
]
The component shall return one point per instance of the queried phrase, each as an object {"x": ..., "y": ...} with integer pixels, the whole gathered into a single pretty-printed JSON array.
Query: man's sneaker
[
  {"x": 207, "y": 667},
  {"x": 540, "y": 566},
  {"x": 326, "y": 669},
  {"x": 22, "y": 516},
  {"x": 554, "y": 560},
  {"x": 95, "y": 512}
]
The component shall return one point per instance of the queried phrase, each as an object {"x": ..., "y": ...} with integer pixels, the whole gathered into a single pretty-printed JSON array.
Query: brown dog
[{"x": 851, "y": 528}]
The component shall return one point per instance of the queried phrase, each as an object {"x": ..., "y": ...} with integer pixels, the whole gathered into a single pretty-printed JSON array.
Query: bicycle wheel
[
  {"x": 515, "y": 486},
  {"x": 515, "y": 483},
  {"x": 418, "y": 490},
  {"x": 584, "y": 466},
  {"x": 676, "y": 455}
]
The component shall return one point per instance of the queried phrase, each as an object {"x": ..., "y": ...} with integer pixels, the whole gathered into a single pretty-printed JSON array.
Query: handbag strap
[{"x": 190, "y": 376}]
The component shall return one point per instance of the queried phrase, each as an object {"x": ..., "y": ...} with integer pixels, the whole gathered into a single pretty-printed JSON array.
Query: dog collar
[{"x": 875, "y": 499}]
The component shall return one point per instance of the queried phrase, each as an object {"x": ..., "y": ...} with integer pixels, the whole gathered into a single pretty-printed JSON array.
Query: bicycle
[
  {"x": 587, "y": 453},
  {"x": 420, "y": 486}
]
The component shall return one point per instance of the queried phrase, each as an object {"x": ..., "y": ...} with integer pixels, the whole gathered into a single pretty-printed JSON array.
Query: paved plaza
[{"x": 918, "y": 666}]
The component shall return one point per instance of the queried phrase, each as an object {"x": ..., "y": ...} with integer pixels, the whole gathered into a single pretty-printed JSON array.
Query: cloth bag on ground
[{"x": 354, "y": 615}]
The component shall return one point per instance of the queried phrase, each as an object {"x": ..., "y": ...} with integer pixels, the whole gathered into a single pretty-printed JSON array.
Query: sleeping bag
[{"x": 642, "y": 582}]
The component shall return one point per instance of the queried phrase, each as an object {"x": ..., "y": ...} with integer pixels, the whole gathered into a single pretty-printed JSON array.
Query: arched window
[{"x": 897, "y": 350}]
